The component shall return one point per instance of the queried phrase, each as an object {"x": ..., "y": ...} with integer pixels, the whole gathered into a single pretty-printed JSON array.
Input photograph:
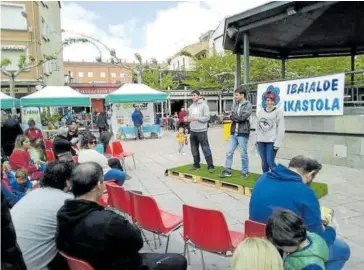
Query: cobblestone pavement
[{"x": 154, "y": 156}]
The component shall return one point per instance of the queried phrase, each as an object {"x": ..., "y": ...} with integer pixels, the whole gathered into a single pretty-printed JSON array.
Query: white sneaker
[{"x": 183, "y": 154}]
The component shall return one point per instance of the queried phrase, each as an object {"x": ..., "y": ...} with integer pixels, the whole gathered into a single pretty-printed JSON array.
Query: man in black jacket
[
  {"x": 11, "y": 255},
  {"x": 239, "y": 133},
  {"x": 104, "y": 239}
]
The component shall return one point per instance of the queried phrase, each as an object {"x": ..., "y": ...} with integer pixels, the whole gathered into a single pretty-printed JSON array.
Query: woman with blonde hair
[{"x": 258, "y": 254}]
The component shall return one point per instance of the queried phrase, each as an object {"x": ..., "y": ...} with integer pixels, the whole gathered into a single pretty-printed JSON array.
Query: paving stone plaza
[{"x": 154, "y": 156}]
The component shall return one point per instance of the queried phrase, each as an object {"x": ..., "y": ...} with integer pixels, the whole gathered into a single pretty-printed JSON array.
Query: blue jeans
[
  {"x": 339, "y": 254},
  {"x": 116, "y": 175},
  {"x": 267, "y": 154},
  {"x": 234, "y": 141}
]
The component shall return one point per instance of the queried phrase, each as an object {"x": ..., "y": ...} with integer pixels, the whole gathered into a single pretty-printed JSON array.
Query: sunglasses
[{"x": 93, "y": 142}]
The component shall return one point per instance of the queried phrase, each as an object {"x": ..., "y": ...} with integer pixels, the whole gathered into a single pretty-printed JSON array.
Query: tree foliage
[
  {"x": 158, "y": 79},
  {"x": 217, "y": 71}
]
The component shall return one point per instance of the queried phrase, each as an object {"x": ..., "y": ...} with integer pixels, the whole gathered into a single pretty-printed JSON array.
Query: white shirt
[{"x": 87, "y": 155}]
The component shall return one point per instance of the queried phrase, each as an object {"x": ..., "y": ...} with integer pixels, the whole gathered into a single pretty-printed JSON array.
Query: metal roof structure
[{"x": 298, "y": 29}]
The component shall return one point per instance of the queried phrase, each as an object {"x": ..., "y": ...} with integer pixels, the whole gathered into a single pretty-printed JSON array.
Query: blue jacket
[
  {"x": 137, "y": 118},
  {"x": 283, "y": 189},
  {"x": 11, "y": 196},
  {"x": 15, "y": 186}
]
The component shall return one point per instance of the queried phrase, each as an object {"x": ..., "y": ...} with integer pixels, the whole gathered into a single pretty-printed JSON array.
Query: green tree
[
  {"x": 158, "y": 79},
  {"x": 216, "y": 71}
]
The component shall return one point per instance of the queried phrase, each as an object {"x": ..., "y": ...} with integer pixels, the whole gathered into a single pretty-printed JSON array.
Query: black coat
[
  {"x": 11, "y": 255},
  {"x": 104, "y": 239},
  {"x": 62, "y": 145},
  {"x": 241, "y": 117},
  {"x": 9, "y": 131}
]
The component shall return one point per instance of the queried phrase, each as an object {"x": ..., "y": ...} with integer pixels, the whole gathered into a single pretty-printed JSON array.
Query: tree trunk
[
  {"x": 139, "y": 76},
  {"x": 12, "y": 85},
  {"x": 12, "y": 91}
]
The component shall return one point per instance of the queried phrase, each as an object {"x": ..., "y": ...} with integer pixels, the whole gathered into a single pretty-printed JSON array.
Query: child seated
[
  {"x": 19, "y": 181},
  {"x": 303, "y": 250}
]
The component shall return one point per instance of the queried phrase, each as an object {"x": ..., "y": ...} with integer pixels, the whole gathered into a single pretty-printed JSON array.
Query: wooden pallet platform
[{"x": 209, "y": 182}]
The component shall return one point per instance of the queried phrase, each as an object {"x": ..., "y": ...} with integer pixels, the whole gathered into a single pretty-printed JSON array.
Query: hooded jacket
[
  {"x": 314, "y": 256},
  {"x": 104, "y": 239},
  {"x": 200, "y": 112},
  {"x": 282, "y": 188}
]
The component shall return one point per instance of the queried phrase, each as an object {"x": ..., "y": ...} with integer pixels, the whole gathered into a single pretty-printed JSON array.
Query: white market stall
[
  {"x": 8, "y": 102},
  {"x": 56, "y": 96},
  {"x": 125, "y": 99}
]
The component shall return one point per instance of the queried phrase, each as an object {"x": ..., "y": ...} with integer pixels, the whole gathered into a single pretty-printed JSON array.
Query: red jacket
[
  {"x": 21, "y": 159},
  {"x": 33, "y": 133},
  {"x": 181, "y": 116}
]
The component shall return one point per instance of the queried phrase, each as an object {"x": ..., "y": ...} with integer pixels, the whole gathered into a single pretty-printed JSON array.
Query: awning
[
  {"x": 132, "y": 92},
  {"x": 56, "y": 96},
  {"x": 8, "y": 102}
]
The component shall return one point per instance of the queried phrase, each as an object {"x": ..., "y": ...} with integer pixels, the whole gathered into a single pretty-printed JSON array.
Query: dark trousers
[
  {"x": 268, "y": 155},
  {"x": 168, "y": 261},
  {"x": 197, "y": 139},
  {"x": 102, "y": 129}
]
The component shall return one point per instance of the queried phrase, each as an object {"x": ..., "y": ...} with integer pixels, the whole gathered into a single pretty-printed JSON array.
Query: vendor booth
[
  {"x": 8, "y": 102},
  {"x": 125, "y": 99},
  {"x": 54, "y": 96}
]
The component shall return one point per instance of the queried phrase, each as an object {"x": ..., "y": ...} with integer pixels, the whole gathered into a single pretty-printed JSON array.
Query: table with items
[{"x": 148, "y": 130}]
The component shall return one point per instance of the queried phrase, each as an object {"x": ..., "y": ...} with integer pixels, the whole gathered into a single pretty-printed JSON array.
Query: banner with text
[
  {"x": 30, "y": 113},
  {"x": 121, "y": 114},
  {"x": 306, "y": 97}
]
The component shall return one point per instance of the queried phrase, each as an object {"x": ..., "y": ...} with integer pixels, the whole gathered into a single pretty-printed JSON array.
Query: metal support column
[
  {"x": 283, "y": 68},
  {"x": 352, "y": 68},
  {"x": 162, "y": 109},
  {"x": 220, "y": 104},
  {"x": 169, "y": 106},
  {"x": 237, "y": 71},
  {"x": 246, "y": 58}
]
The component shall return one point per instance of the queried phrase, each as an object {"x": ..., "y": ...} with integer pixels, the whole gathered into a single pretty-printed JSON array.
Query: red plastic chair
[
  {"x": 48, "y": 144},
  {"x": 254, "y": 229},
  {"x": 149, "y": 217},
  {"x": 207, "y": 230},
  {"x": 104, "y": 200},
  {"x": 75, "y": 264},
  {"x": 50, "y": 155},
  {"x": 118, "y": 198},
  {"x": 75, "y": 159},
  {"x": 118, "y": 151}
]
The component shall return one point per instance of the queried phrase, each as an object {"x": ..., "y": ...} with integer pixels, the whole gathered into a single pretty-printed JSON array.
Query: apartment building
[
  {"x": 96, "y": 80},
  {"x": 31, "y": 28}
]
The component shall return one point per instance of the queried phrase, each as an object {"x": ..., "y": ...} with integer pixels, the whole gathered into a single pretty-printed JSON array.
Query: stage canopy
[
  {"x": 8, "y": 102},
  {"x": 296, "y": 29},
  {"x": 133, "y": 92},
  {"x": 56, "y": 96}
]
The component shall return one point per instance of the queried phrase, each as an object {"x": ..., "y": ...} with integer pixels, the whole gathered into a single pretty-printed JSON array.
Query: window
[
  {"x": 122, "y": 77},
  {"x": 45, "y": 29},
  {"x": 90, "y": 74},
  {"x": 102, "y": 74},
  {"x": 113, "y": 75},
  {"x": 80, "y": 74},
  {"x": 11, "y": 17},
  {"x": 47, "y": 68},
  {"x": 13, "y": 53},
  {"x": 54, "y": 65}
]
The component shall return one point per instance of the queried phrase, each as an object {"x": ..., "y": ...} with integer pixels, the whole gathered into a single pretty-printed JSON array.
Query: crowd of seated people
[{"x": 63, "y": 214}]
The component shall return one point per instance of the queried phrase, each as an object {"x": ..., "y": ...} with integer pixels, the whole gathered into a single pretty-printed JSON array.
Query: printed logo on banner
[{"x": 306, "y": 97}]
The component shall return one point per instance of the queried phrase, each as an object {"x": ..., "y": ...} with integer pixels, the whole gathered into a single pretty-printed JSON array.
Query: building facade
[
  {"x": 96, "y": 80},
  {"x": 31, "y": 28}
]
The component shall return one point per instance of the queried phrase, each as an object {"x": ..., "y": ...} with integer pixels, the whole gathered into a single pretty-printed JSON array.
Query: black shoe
[
  {"x": 211, "y": 170},
  {"x": 195, "y": 168},
  {"x": 245, "y": 175},
  {"x": 225, "y": 174}
]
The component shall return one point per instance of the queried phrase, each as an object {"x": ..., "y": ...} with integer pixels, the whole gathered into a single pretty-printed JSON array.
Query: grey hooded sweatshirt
[{"x": 201, "y": 114}]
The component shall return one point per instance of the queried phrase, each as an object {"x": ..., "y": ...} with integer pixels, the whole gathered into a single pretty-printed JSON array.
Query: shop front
[{"x": 97, "y": 93}]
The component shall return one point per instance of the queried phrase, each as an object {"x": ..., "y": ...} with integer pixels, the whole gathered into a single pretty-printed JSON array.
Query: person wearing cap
[{"x": 269, "y": 131}]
